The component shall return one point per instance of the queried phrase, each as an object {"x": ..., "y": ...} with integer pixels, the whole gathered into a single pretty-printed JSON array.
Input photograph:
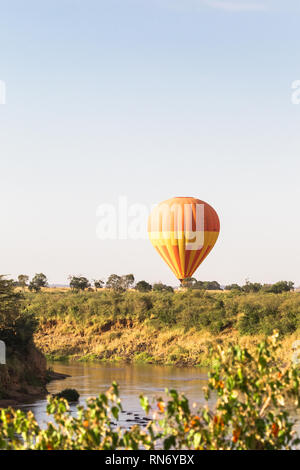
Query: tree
[
  {"x": 192, "y": 283},
  {"x": 114, "y": 282},
  {"x": 199, "y": 285},
  {"x": 79, "y": 283},
  {"x": 37, "y": 282},
  {"x": 160, "y": 287},
  {"x": 98, "y": 283},
  {"x": 9, "y": 303},
  {"x": 212, "y": 285},
  {"x": 252, "y": 287},
  {"x": 143, "y": 286},
  {"x": 23, "y": 280},
  {"x": 233, "y": 287},
  {"x": 120, "y": 283},
  {"x": 279, "y": 287},
  {"x": 189, "y": 282},
  {"x": 127, "y": 281},
  {"x": 16, "y": 329}
]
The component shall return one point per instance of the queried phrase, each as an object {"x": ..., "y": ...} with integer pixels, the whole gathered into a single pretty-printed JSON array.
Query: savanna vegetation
[
  {"x": 252, "y": 395},
  {"x": 157, "y": 325}
]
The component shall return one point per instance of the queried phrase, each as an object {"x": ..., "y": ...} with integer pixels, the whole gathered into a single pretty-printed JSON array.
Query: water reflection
[{"x": 92, "y": 378}]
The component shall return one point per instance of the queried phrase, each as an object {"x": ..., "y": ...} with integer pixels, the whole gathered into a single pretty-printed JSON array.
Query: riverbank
[
  {"x": 133, "y": 343},
  {"x": 31, "y": 385},
  {"x": 159, "y": 328},
  {"x": 24, "y": 376}
]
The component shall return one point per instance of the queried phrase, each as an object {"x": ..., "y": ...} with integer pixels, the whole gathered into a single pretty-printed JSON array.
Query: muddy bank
[{"x": 25, "y": 376}]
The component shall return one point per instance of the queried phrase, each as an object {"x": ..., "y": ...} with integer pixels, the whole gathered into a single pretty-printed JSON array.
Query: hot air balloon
[{"x": 183, "y": 230}]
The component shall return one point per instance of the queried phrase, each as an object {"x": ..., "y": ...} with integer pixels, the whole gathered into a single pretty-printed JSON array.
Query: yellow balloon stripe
[
  {"x": 175, "y": 243},
  {"x": 181, "y": 246},
  {"x": 172, "y": 251},
  {"x": 167, "y": 259}
]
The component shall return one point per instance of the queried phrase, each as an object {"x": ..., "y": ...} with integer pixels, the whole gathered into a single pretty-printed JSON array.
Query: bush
[
  {"x": 159, "y": 287},
  {"x": 143, "y": 286},
  {"x": 69, "y": 394},
  {"x": 261, "y": 313},
  {"x": 279, "y": 287}
]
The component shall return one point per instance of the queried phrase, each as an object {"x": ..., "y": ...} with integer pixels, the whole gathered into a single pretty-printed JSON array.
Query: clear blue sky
[{"x": 149, "y": 99}]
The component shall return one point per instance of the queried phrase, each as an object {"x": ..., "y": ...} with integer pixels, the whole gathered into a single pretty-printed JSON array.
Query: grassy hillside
[{"x": 164, "y": 328}]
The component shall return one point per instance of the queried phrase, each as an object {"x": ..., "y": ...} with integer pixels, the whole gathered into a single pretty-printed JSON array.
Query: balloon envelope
[{"x": 183, "y": 230}]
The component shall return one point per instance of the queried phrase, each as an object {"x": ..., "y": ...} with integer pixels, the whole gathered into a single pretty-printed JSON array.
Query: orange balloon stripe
[
  {"x": 187, "y": 260},
  {"x": 198, "y": 260},
  {"x": 161, "y": 251},
  {"x": 168, "y": 259},
  {"x": 173, "y": 254},
  {"x": 196, "y": 257},
  {"x": 191, "y": 261},
  {"x": 178, "y": 263}
]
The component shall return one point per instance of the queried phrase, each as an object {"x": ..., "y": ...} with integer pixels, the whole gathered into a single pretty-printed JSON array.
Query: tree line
[
  {"x": 81, "y": 283},
  {"x": 127, "y": 281},
  {"x": 277, "y": 288}
]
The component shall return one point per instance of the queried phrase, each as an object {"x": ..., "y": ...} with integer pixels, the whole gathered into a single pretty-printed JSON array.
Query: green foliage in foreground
[
  {"x": 250, "y": 413},
  {"x": 248, "y": 313}
]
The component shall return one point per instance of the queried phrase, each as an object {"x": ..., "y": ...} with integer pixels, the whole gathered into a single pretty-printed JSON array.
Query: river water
[{"x": 89, "y": 379}]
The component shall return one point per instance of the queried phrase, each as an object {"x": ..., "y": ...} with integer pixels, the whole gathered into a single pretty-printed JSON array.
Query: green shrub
[
  {"x": 69, "y": 394},
  {"x": 143, "y": 357}
]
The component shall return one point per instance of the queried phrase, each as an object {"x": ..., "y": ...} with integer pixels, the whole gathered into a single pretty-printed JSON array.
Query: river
[{"x": 89, "y": 379}]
